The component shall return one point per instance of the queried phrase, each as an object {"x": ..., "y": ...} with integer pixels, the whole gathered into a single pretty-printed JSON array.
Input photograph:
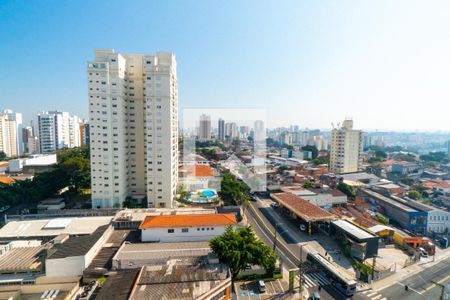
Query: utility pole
[
  {"x": 300, "y": 271},
  {"x": 275, "y": 238},
  {"x": 442, "y": 289},
  {"x": 374, "y": 261}
]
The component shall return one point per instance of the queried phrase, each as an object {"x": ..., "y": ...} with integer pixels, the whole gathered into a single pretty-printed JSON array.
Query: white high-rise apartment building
[
  {"x": 17, "y": 117},
  {"x": 204, "y": 128},
  {"x": 231, "y": 130},
  {"x": 346, "y": 149},
  {"x": 133, "y": 122},
  {"x": 8, "y": 135},
  {"x": 57, "y": 130}
]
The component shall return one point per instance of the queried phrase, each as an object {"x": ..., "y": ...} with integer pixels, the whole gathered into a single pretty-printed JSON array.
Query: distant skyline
[{"x": 386, "y": 64}]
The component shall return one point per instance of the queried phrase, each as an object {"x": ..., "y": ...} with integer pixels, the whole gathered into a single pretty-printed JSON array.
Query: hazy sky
[{"x": 384, "y": 63}]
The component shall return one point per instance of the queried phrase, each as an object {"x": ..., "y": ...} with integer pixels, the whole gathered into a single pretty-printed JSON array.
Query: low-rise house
[{"x": 185, "y": 228}]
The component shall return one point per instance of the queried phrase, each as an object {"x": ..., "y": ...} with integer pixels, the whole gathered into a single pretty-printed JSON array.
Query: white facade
[
  {"x": 438, "y": 221},
  {"x": 57, "y": 130},
  {"x": 182, "y": 234},
  {"x": 346, "y": 149},
  {"x": 17, "y": 118},
  {"x": 8, "y": 135},
  {"x": 133, "y": 101}
]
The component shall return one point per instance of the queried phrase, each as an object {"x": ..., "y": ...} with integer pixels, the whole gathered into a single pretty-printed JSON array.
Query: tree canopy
[
  {"x": 3, "y": 155},
  {"x": 240, "y": 247},
  {"x": 232, "y": 191},
  {"x": 313, "y": 149},
  {"x": 346, "y": 189}
]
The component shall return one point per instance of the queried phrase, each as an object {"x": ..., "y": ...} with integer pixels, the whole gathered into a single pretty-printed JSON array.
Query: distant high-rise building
[
  {"x": 346, "y": 149},
  {"x": 231, "y": 130},
  {"x": 244, "y": 131},
  {"x": 221, "y": 130},
  {"x": 133, "y": 124},
  {"x": 57, "y": 130},
  {"x": 204, "y": 128},
  {"x": 84, "y": 133},
  {"x": 17, "y": 117},
  {"x": 448, "y": 148},
  {"x": 8, "y": 135},
  {"x": 259, "y": 135}
]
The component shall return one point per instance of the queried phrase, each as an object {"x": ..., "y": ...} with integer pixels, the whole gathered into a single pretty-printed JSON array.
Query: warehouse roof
[
  {"x": 21, "y": 259},
  {"x": 77, "y": 245},
  {"x": 389, "y": 201},
  {"x": 354, "y": 230},
  {"x": 162, "y": 251},
  {"x": 188, "y": 220},
  {"x": 52, "y": 227},
  {"x": 302, "y": 208}
]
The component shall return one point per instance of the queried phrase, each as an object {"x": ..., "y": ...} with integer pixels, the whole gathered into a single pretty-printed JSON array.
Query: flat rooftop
[
  {"x": 138, "y": 215},
  {"x": 189, "y": 220},
  {"x": 162, "y": 251},
  {"x": 118, "y": 285},
  {"x": 390, "y": 201},
  {"x": 353, "y": 229},
  {"x": 302, "y": 208},
  {"x": 52, "y": 227}
]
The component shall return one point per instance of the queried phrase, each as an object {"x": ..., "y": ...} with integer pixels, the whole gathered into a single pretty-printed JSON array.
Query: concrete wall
[{"x": 197, "y": 233}]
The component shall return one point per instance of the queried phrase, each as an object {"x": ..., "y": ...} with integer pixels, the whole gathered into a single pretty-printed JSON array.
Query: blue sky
[{"x": 384, "y": 63}]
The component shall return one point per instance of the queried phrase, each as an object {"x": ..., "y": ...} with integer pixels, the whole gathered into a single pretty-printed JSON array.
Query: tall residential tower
[
  {"x": 346, "y": 149},
  {"x": 133, "y": 124}
]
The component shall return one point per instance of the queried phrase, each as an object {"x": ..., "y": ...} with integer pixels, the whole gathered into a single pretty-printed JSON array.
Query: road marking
[
  {"x": 433, "y": 285},
  {"x": 375, "y": 298},
  {"x": 372, "y": 294},
  {"x": 384, "y": 298},
  {"x": 364, "y": 292}
]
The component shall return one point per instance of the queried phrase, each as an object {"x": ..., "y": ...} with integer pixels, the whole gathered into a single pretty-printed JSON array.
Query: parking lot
[{"x": 249, "y": 289}]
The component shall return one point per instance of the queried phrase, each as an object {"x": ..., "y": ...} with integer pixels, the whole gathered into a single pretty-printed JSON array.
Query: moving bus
[{"x": 339, "y": 280}]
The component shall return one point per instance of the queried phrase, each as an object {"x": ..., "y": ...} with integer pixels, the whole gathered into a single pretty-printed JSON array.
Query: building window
[
  {"x": 185, "y": 230},
  {"x": 170, "y": 230}
]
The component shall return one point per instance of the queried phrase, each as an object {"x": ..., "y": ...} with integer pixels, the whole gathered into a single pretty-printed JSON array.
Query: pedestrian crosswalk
[
  {"x": 373, "y": 295},
  {"x": 315, "y": 279}
]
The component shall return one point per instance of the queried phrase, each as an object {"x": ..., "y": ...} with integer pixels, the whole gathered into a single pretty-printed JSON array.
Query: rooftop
[
  {"x": 162, "y": 251},
  {"x": 77, "y": 245},
  {"x": 188, "y": 220},
  {"x": 138, "y": 215},
  {"x": 353, "y": 229},
  {"x": 179, "y": 280},
  {"x": 302, "y": 208},
  {"x": 196, "y": 170},
  {"x": 118, "y": 285},
  {"x": 7, "y": 180},
  {"x": 52, "y": 227},
  {"x": 21, "y": 259},
  {"x": 390, "y": 201}
]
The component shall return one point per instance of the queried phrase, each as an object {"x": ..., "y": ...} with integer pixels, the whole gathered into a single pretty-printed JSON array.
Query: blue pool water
[
  {"x": 201, "y": 200},
  {"x": 208, "y": 193}
]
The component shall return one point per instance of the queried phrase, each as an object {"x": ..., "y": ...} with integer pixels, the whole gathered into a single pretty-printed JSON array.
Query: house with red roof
[{"x": 185, "y": 228}]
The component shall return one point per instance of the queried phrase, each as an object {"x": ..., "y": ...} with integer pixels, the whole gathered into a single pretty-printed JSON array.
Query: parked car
[
  {"x": 315, "y": 296},
  {"x": 423, "y": 252},
  {"x": 261, "y": 286},
  {"x": 274, "y": 204},
  {"x": 302, "y": 227}
]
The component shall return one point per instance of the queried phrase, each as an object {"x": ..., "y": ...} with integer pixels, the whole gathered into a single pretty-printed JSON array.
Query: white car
[
  {"x": 302, "y": 227},
  {"x": 274, "y": 204}
]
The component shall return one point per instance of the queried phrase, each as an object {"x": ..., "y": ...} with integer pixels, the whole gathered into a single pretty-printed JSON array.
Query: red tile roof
[
  {"x": 188, "y": 220},
  {"x": 7, "y": 180},
  {"x": 337, "y": 193},
  {"x": 197, "y": 170},
  {"x": 302, "y": 208}
]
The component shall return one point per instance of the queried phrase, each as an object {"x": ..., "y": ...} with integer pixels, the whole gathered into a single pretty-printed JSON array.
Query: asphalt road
[{"x": 420, "y": 285}]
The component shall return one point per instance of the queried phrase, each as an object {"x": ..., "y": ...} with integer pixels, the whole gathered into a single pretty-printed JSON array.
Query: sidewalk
[{"x": 408, "y": 271}]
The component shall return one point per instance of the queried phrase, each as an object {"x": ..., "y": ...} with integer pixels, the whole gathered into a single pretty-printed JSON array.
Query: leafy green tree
[
  {"x": 346, "y": 189},
  {"x": 380, "y": 153},
  {"x": 308, "y": 185},
  {"x": 434, "y": 156},
  {"x": 240, "y": 247},
  {"x": 313, "y": 149},
  {"x": 2, "y": 155},
  {"x": 322, "y": 160},
  {"x": 232, "y": 191},
  {"x": 413, "y": 194}
]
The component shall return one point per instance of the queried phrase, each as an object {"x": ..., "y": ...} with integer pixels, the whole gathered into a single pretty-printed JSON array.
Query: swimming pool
[{"x": 208, "y": 193}]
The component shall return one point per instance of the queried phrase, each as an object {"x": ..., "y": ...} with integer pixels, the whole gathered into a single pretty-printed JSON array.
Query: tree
[
  {"x": 3, "y": 155},
  {"x": 313, "y": 149},
  {"x": 413, "y": 194},
  {"x": 380, "y": 153},
  {"x": 232, "y": 191},
  {"x": 323, "y": 160},
  {"x": 240, "y": 247},
  {"x": 346, "y": 189},
  {"x": 308, "y": 185}
]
